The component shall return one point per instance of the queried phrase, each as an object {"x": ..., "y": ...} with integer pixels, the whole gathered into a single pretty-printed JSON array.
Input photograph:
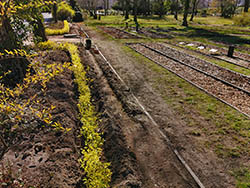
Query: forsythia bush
[
  {"x": 62, "y": 31},
  {"x": 98, "y": 175},
  {"x": 14, "y": 109},
  {"x": 64, "y": 11},
  {"x": 242, "y": 19}
]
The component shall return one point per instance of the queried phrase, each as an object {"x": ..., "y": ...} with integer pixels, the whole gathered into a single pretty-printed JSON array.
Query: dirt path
[{"x": 156, "y": 163}]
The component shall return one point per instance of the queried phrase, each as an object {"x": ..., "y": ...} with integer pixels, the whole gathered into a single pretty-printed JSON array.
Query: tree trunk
[
  {"x": 135, "y": 11},
  {"x": 105, "y": 7},
  {"x": 148, "y": 8},
  {"x": 193, "y": 10},
  {"x": 176, "y": 15},
  {"x": 176, "y": 10},
  {"x": 127, "y": 9},
  {"x": 7, "y": 36},
  {"x": 39, "y": 30},
  {"x": 246, "y": 6},
  {"x": 186, "y": 8},
  {"x": 222, "y": 8},
  {"x": 55, "y": 12}
]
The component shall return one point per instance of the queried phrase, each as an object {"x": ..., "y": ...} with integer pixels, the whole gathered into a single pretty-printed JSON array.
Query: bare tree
[
  {"x": 185, "y": 15},
  {"x": 135, "y": 4},
  {"x": 246, "y": 6},
  {"x": 194, "y": 8}
]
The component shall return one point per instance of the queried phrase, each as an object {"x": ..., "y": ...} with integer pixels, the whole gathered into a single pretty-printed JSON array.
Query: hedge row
[
  {"x": 97, "y": 172},
  {"x": 62, "y": 31}
]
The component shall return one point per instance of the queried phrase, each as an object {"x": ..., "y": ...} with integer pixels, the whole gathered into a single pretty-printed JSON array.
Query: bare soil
[
  {"x": 155, "y": 162},
  {"x": 38, "y": 156},
  {"x": 137, "y": 149}
]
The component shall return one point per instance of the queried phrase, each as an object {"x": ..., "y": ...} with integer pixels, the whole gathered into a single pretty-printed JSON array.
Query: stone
[
  {"x": 201, "y": 47},
  {"x": 213, "y": 50},
  {"x": 190, "y": 44}
]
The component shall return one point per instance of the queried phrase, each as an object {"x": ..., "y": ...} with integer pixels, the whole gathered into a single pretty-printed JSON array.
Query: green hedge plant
[{"x": 64, "y": 11}]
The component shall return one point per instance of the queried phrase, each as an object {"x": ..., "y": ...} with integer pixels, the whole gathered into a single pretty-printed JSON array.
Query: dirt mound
[
  {"x": 39, "y": 156},
  {"x": 116, "y": 150},
  {"x": 17, "y": 69}
]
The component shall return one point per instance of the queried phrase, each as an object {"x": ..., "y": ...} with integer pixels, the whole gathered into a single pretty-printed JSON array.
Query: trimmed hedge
[
  {"x": 65, "y": 11},
  {"x": 98, "y": 174},
  {"x": 62, "y": 31}
]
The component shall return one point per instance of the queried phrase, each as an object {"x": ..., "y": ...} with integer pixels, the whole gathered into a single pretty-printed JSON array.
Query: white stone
[
  {"x": 190, "y": 44},
  {"x": 213, "y": 50},
  {"x": 201, "y": 47}
]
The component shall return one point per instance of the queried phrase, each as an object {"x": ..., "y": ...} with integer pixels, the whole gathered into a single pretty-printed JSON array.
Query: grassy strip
[
  {"x": 97, "y": 172},
  {"x": 212, "y": 124},
  {"x": 62, "y": 31}
]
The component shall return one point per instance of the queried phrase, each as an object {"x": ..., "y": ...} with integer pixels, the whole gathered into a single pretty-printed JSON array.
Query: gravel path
[
  {"x": 234, "y": 78},
  {"x": 230, "y": 95},
  {"x": 222, "y": 55}
]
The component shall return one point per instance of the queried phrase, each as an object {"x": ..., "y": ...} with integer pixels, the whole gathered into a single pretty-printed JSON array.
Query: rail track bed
[
  {"x": 239, "y": 58},
  {"x": 236, "y": 79},
  {"x": 228, "y": 86}
]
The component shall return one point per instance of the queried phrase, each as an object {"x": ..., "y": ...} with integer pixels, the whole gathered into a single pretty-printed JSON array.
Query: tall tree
[
  {"x": 127, "y": 8},
  {"x": 246, "y": 6},
  {"x": 194, "y": 8},
  {"x": 135, "y": 9},
  {"x": 54, "y": 12},
  {"x": 159, "y": 7},
  {"x": 175, "y": 8},
  {"x": 13, "y": 15},
  {"x": 185, "y": 15}
]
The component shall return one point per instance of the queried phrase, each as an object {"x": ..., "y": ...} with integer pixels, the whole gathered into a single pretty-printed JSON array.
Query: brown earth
[
  {"x": 138, "y": 150},
  {"x": 38, "y": 156},
  {"x": 156, "y": 163}
]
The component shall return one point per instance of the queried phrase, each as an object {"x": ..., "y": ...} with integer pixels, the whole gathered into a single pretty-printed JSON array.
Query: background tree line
[{"x": 226, "y": 8}]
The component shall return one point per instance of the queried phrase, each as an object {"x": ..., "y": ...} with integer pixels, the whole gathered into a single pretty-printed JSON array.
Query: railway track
[
  {"x": 229, "y": 87},
  {"x": 160, "y": 132},
  {"x": 244, "y": 63},
  {"x": 227, "y": 76}
]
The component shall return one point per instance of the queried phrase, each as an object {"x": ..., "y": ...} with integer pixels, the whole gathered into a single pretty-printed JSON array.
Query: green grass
[
  {"x": 216, "y": 121},
  {"x": 242, "y": 176},
  {"x": 225, "y": 32}
]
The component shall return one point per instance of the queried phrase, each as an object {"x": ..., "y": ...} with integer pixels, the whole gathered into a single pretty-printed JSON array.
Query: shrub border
[
  {"x": 97, "y": 173},
  {"x": 62, "y": 31}
]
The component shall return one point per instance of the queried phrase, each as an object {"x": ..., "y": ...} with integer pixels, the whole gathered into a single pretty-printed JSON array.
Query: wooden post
[
  {"x": 230, "y": 51},
  {"x": 88, "y": 44}
]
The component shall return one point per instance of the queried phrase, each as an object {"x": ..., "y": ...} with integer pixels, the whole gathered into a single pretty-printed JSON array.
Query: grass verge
[{"x": 212, "y": 124}]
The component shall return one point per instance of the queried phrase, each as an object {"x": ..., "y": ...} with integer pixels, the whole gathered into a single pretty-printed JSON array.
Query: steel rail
[
  {"x": 192, "y": 83},
  {"x": 196, "y": 69},
  {"x": 211, "y": 56},
  {"x": 192, "y": 56},
  {"x": 175, "y": 151}
]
